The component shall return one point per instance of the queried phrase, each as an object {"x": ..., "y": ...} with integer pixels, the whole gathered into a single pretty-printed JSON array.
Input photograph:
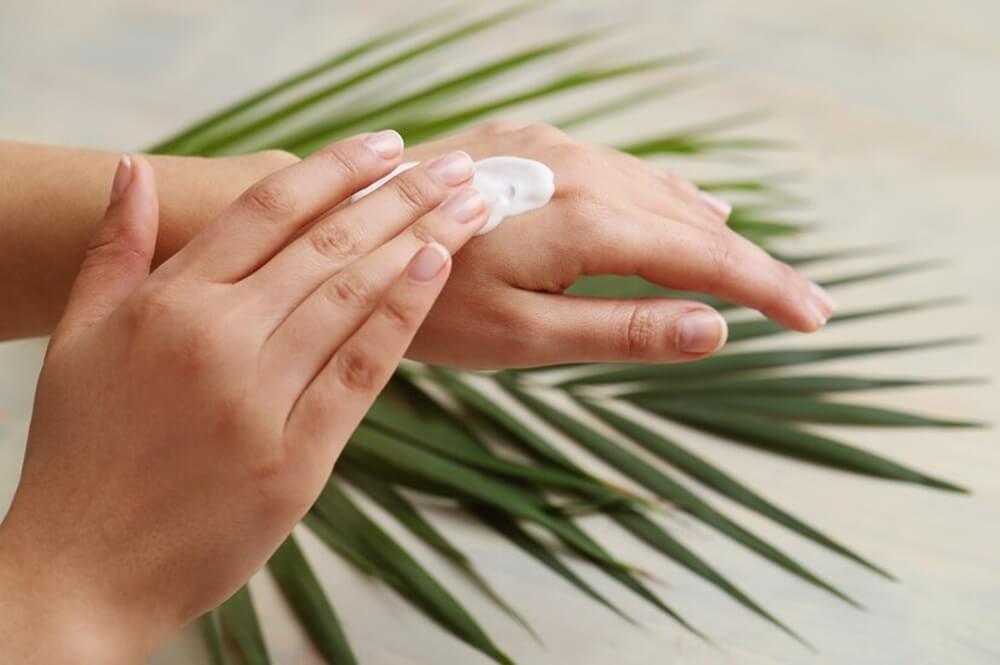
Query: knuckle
[
  {"x": 642, "y": 330},
  {"x": 401, "y": 314},
  {"x": 415, "y": 195},
  {"x": 110, "y": 251},
  {"x": 350, "y": 288},
  {"x": 334, "y": 241},
  {"x": 346, "y": 166},
  {"x": 423, "y": 233},
  {"x": 723, "y": 259},
  {"x": 271, "y": 160},
  {"x": 149, "y": 310},
  {"x": 269, "y": 199},
  {"x": 198, "y": 350},
  {"x": 494, "y": 127},
  {"x": 544, "y": 133},
  {"x": 359, "y": 372}
]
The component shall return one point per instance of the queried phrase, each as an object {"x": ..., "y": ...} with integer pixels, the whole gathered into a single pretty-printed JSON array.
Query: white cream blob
[{"x": 510, "y": 185}]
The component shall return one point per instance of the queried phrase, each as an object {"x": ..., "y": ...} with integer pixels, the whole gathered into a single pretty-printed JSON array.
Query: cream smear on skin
[{"x": 510, "y": 185}]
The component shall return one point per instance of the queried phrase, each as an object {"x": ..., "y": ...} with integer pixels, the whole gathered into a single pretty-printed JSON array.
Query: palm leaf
[
  {"x": 239, "y": 620},
  {"x": 302, "y": 590},
  {"x": 455, "y": 435}
]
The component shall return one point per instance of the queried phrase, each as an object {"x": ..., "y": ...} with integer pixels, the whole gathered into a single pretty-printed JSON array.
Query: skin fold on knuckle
[
  {"x": 334, "y": 241},
  {"x": 359, "y": 372},
  {"x": 350, "y": 162},
  {"x": 415, "y": 193},
  {"x": 643, "y": 332},
  {"x": 401, "y": 313},
  {"x": 351, "y": 289},
  {"x": 269, "y": 199}
]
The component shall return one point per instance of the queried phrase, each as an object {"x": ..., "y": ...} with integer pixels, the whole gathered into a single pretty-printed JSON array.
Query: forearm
[{"x": 52, "y": 198}]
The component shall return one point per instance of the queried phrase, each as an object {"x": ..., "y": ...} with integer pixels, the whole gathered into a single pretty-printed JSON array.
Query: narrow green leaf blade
[
  {"x": 407, "y": 514},
  {"x": 387, "y": 559},
  {"x": 710, "y": 475},
  {"x": 211, "y": 632},
  {"x": 782, "y": 439},
  {"x": 660, "y": 539},
  {"x": 728, "y": 363},
  {"x": 805, "y": 409},
  {"x": 310, "y": 100},
  {"x": 239, "y": 618},
  {"x": 180, "y": 141},
  {"x": 302, "y": 590},
  {"x": 665, "y": 487}
]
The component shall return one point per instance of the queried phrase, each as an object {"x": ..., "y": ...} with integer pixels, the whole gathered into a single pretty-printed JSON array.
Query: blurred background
[{"x": 891, "y": 109}]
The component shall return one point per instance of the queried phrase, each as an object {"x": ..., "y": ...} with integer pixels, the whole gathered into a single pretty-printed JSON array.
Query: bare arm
[{"x": 52, "y": 199}]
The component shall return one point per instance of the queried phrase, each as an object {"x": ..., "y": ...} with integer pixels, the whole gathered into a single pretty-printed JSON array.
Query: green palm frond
[{"x": 494, "y": 444}]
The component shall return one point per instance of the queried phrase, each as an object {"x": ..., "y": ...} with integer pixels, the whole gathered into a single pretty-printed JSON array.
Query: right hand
[{"x": 185, "y": 420}]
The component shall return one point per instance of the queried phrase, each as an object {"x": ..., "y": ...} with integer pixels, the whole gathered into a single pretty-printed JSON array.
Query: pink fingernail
[
  {"x": 387, "y": 144},
  {"x": 721, "y": 207},
  {"x": 123, "y": 176},
  {"x": 428, "y": 262},
  {"x": 827, "y": 304},
  {"x": 453, "y": 168},
  {"x": 701, "y": 332},
  {"x": 465, "y": 205}
]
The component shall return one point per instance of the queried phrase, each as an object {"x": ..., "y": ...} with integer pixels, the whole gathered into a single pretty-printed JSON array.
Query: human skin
[
  {"x": 185, "y": 420},
  {"x": 52, "y": 198},
  {"x": 611, "y": 213}
]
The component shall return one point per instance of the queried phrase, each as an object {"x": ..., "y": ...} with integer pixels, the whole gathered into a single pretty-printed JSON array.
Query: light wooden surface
[{"x": 893, "y": 106}]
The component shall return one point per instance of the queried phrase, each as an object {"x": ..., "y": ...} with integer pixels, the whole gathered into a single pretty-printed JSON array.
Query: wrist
[
  {"x": 48, "y": 615},
  {"x": 194, "y": 191}
]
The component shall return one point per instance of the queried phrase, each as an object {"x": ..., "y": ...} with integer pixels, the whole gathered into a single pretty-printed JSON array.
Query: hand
[
  {"x": 611, "y": 214},
  {"x": 185, "y": 420}
]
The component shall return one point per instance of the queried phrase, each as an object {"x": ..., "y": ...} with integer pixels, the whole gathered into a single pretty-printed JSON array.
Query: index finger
[
  {"x": 271, "y": 212},
  {"x": 718, "y": 262}
]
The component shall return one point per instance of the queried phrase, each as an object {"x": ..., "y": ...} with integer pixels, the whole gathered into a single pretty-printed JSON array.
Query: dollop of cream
[{"x": 510, "y": 185}]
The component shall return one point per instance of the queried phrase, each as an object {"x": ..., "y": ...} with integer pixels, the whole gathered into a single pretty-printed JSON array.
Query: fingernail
[
  {"x": 701, "y": 332},
  {"x": 827, "y": 304},
  {"x": 123, "y": 176},
  {"x": 723, "y": 208},
  {"x": 819, "y": 319},
  {"x": 464, "y": 206},
  {"x": 428, "y": 262},
  {"x": 387, "y": 144},
  {"x": 453, "y": 168}
]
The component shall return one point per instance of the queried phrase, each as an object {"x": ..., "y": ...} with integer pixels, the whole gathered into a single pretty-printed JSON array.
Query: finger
[
  {"x": 572, "y": 329},
  {"x": 267, "y": 215},
  {"x": 333, "y": 404},
  {"x": 121, "y": 251},
  {"x": 719, "y": 262},
  {"x": 305, "y": 340},
  {"x": 353, "y": 231}
]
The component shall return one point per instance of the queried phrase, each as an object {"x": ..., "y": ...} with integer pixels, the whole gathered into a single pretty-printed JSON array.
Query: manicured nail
[
  {"x": 701, "y": 332},
  {"x": 816, "y": 315},
  {"x": 428, "y": 262},
  {"x": 123, "y": 176},
  {"x": 465, "y": 205},
  {"x": 387, "y": 144},
  {"x": 721, "y": 207},
  {"x": 827, "y": 304},
  {"x": 453, "y": 168}
]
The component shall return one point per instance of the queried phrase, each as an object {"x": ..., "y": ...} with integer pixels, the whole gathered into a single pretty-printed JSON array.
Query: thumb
[{"x": 121, "y": 251}]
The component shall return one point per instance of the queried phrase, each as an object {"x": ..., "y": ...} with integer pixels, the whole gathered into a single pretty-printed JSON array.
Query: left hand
[{"x": 611, "y": 214}]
